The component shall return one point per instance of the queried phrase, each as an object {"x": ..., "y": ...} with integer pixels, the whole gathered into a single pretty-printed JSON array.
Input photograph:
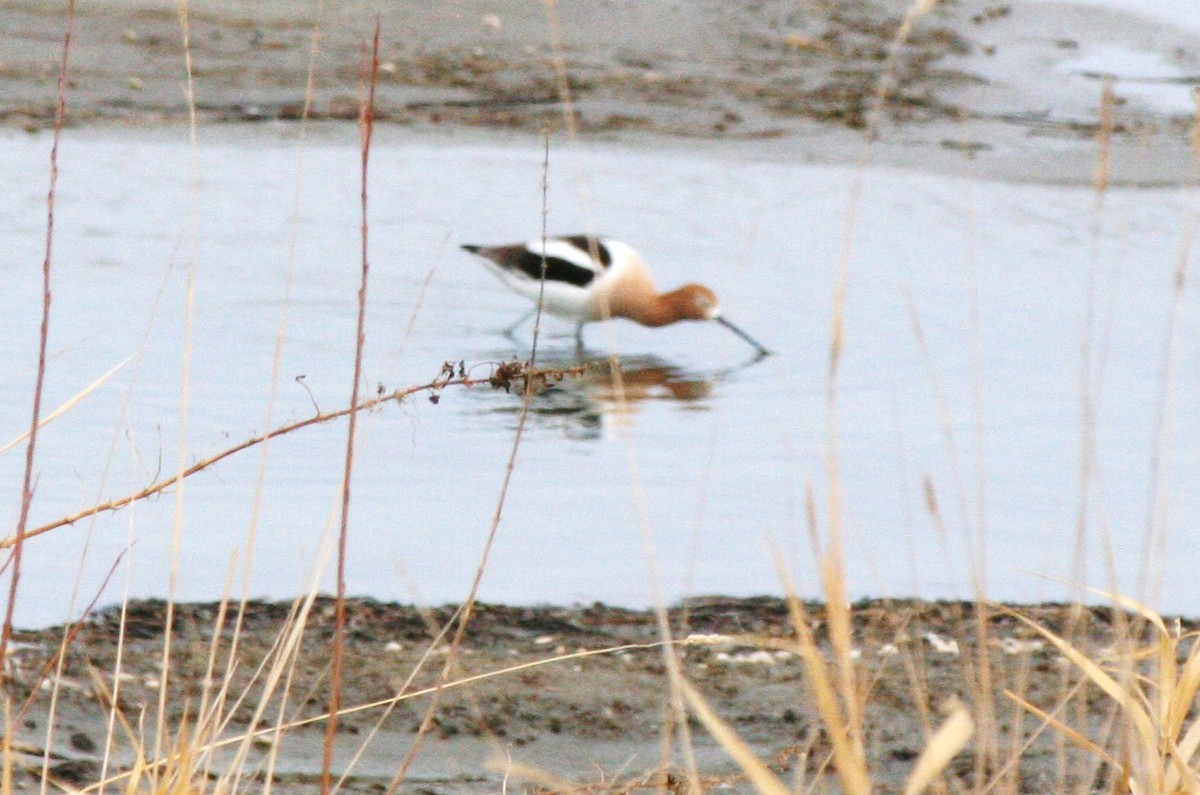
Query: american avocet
[{"x": 595, "y": 278}]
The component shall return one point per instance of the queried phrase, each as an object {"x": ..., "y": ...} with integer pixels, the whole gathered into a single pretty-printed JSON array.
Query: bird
[{"x": 589, "y": 278}]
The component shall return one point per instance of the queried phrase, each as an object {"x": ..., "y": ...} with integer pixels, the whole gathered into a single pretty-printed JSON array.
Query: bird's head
[{"x": 696, "y": 302}]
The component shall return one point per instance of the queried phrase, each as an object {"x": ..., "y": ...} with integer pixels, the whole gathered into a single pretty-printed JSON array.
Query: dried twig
[
  {"x": 502, "y": 377},
  {"x": 60, "y": 113},
  {"x": 366, "y": 125},
  {"x": 513, "y": 372}
]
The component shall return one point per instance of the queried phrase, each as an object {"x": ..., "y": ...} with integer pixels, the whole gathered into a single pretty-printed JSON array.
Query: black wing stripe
[
  {"x": 584, "y": 244},
  {"x": 557, "y": 270}
]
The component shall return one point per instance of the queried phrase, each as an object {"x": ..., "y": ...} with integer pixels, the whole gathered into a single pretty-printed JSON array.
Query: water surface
[{"x": 966, "y": 312}]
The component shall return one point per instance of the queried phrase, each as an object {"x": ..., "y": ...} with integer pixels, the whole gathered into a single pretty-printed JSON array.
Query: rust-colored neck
[
  {"x": 636, "y": 298},
  {"x": 652, "y": 309}
]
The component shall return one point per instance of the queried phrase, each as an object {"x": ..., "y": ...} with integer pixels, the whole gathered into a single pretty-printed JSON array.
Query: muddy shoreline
[
  {"x": 977, "y": 87},
  {"x": 551, "y": 706}
]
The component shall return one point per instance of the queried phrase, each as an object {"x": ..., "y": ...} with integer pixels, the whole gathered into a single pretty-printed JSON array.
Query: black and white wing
[{"x": 568, "y": 260}]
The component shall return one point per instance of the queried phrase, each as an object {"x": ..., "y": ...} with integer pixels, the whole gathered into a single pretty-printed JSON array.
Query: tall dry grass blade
[
  {"x": 1154, "y": 545},
  {"x": 1056, "y": 724},
  {"x": 57, "y": 663},
  {"x": 828, "y": 706},
  {"x": 212, "y": 693},
  {"x": 987, "y": 740},
  {"x": 439, "y": 635},
  {"x": 1179, "y": 776},
  {"x": 1007, "y": 773},
  {"x": 185, "y": 371},
  {"x": 283, "y": 655},
  {"x": 110, "y": 704},
  {"x": 1189, "y": 684},
  {"x": 463, "y": 618},
  {"x": 851, "y": 766},
  {"x": 1175, "y": 691},
  {"x": 1127, "y": 698},
  {"x": 764, "y": 781},
  {"x": 466, "y": 681},
  {"x": 1165, "y": 684},
  {"x": 1104, "y": 133},
  {"x": 674, "y": 674},
  {"x": 71, "y": 402},
  {"x": 294, "y": 227},
  {"x": 108, "y": 698},
  {"x": 1134, "y": 606},
  {"x": 950, "y": 738},
  {"x": 6, "y": 751},
  {"x": 136, "y": 773}
]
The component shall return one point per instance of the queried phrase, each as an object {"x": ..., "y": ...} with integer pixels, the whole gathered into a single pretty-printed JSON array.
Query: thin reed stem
[
  {"x": 537, "y": 320},
  {"x": 366, "y": 123},
  {"x": 60, "y": 113},
  {"x": 466, "y": 610},
  {"x": 55, "y": 662},
  {"x": 185, "y": 358}
]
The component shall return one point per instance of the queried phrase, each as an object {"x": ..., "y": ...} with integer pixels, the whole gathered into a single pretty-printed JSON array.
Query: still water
[{"x": 967, "y": 309}]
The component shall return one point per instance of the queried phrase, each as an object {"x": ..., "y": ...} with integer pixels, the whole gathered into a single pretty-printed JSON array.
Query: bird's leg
[
  {"x": 579, "y": 337},
  {"x": 511, "y": 331}
]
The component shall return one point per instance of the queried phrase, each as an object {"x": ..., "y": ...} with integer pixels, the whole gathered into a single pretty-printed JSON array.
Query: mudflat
[
  {"x": 972, "y": 86},
  {"x": 557, "y": 697}
]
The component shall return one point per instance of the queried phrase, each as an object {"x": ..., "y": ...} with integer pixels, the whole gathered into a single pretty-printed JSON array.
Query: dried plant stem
[
  {"x": 60, "y": 113},
  {"x": 832, "y": 564},
  {"x": 537, "y": 320},
  {"x": 467, "y": 608},
  {"x": 436, "y": 385},
  {"x": 679, "y": 726},
  {"x": 277, "y": 358},
  {"x": 1089, "y": 386},
  {"x": 465, "y": 611},
  {"x": 185, "y": 30},
  {"x": 279, "y": 729},
  {"x": 55, "y": 662},
  {"x": 369, "y": 74}
]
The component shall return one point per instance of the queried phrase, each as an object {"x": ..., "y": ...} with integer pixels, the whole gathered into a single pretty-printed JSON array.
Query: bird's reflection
[{"x": 607, "y": 390}]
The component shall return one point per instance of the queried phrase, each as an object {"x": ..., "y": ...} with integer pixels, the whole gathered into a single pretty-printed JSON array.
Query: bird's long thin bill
[{"x": 757, "y": 345}]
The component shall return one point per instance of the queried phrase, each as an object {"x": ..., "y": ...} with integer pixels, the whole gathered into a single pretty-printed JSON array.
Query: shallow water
[
  {"x": 713, "y": 462},
  {"x": 1177, "y": 13}
]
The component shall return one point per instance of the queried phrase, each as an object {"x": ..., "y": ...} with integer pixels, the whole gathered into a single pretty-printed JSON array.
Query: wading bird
[{"x": 595, "y": 278}]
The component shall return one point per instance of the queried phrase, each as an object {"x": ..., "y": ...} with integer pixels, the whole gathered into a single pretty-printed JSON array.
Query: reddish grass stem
[
  {"x": 69, "y": 633},
  {"x": 468, "y": 605},
  {"x": 366, "y": 122},
  {"x": 60, "y": 113}
]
